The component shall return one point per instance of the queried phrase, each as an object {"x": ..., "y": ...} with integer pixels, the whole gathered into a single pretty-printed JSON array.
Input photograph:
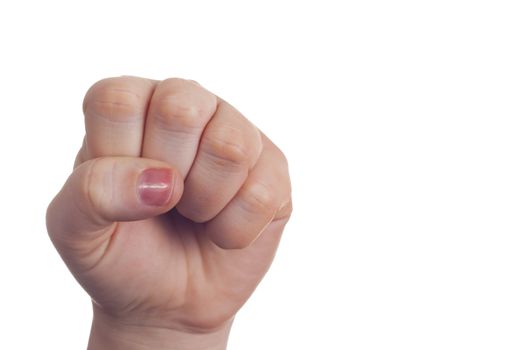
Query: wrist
[{"x": 109, "y": 333}]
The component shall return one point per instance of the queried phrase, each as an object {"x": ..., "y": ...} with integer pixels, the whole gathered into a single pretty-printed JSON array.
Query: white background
[{"x": 406, "y": 127}]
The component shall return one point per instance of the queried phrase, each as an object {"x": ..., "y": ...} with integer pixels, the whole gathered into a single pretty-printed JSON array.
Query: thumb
[{"x": 105, "y": 190}]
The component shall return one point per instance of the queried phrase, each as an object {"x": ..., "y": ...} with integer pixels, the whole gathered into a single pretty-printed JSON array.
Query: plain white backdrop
[{"x": 405, "y": 124}]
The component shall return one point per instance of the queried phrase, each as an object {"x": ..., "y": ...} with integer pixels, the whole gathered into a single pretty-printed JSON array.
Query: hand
[{"x": 172, "y": 214}]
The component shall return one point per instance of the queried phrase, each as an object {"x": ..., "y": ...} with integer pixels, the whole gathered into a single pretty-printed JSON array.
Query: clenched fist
[{"x": 172, "y": 214}]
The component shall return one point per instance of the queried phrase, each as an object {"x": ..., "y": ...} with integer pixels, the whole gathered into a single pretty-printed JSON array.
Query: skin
[{"x": 168, "y": 262}]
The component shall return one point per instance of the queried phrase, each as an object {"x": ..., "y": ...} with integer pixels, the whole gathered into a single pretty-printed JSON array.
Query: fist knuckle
[
  {"x": 175, "y": 112},
  {"x": 182, "y": 104},
  {"x": 227, "y": 148},
  {"x": 259, "y": 198},
  {"x": 113, "y": 99}
]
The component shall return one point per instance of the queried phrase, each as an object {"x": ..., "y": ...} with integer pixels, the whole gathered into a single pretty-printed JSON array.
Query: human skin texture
[{"x": 172, "y": 214}]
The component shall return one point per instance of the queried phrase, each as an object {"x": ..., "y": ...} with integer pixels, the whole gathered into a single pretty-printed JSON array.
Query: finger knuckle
[
  {"x": 226, "y": 148},
  {"x": 176, "y": 113},
  {"x": 259, "y": 198},
  {"x": 114, "y": 100},
  {"x": 182, "y": 106}
]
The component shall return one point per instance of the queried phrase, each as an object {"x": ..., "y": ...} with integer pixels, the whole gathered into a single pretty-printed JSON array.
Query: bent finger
[
  {"x": 264, "y": 197},
  {"x": 230, "y": 146},
  {"x": 115, "y": 111},
  {"x": 177, "y": 115}
]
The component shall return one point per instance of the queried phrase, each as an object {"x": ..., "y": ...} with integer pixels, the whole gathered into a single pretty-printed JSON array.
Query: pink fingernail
[{"x": 155, "y": 186}]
